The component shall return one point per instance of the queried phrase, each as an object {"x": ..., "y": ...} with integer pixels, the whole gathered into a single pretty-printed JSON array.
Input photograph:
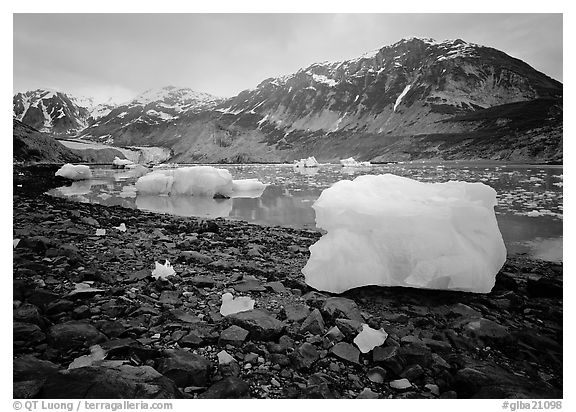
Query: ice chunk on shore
[
  {"x": 74, "y": 172},
  {"x": 369, "y": 338},
  {"x": 309, "y": 162},
  {"x": 162, "y": 271},
  {"x": 350, "y": 162},
  {"x": 231, "y": 305},
  {"x": 193, "y": 181},
  {"x": 389, "y": 230}
]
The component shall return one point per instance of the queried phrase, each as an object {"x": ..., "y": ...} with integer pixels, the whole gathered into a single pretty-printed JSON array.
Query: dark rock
[
  {"x": 390, "y": 357},
  {"x": 437, "y": 345},
  {"x": 314, "y": 323},
  {"x": 185, "y": 368},
  {"x": 305, "y": 356},
  {"x": 486, "y": 329},
  {"x": 228, "y": 388},
  {"x": 27, "y": 389},
  {"x": 28, "y": 333},
  {"x": 250, "y": 285},
  {"x": 59, "y": 306},
  {"x": 296, "y": 312},
  {"x": 314, "y": 299},
  {"x": 334, "y": 334},
  {"x": 350, "y": 328},
  {"x": 184, "y": 316},
  {"x": 468, "y": 381},
  {"x": 412, "y": 372},
  {"x": 192, "y": 255},
  {"x": 276, "y": 287},
  {"x": 191, "y": 340},
  {"x": 545, "y": 288},
  {"x": 416, "y": 354},
  {"x": 346, "y": 351},
  {"x": 109, "y": 382},
  {"x": 465, "y": 310},
  {"x": 377, "y": 374},
  {"x": 317, "y": 387},
  {"x": 234, "y": 335},
  {"x": 367, "y": 393},
  {"x": 342, "y": 307},
  {"x": 28, "y": 313},
  {"x": 279, "y": 359},
  {"x": 42, "y": 297},
  {"x": 260, "y": 324},
  {"x": 74, "y": 335},
  {"x": 29, "y": 368},
  {"x": 170, "y": 297}
]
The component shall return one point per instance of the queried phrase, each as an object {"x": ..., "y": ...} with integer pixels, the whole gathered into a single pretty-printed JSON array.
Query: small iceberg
[
  {"x": 309, "y": 162},
  {"x": 74, "y": 172},
  {"x": 350, "y": 162}
]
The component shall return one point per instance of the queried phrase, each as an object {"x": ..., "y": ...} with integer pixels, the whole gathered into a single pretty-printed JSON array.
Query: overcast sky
[{"x": 122, "y": 55}]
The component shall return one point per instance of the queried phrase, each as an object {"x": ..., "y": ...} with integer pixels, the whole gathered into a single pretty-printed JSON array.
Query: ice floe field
[{"x": 529, "y": 210}]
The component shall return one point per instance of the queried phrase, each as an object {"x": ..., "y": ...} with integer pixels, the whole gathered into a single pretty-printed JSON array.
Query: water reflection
[{"x": 185, "y": 205}]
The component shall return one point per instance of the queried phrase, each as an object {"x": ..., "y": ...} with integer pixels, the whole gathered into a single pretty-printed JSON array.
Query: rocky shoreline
[{"x": 90, "y": 301}]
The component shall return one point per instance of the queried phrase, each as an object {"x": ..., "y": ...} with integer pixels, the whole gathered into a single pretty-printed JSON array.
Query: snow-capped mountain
[
  {"x": 151, "y": 109},
  {"x": 56, "y": 112},
  {"x": 417, "y": 98},
  {"x": 50, "y": 111}
]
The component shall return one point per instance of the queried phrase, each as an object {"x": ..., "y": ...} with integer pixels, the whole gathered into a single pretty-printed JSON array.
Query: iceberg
[
  {"x": 251, "y": 188},
  {"x": 193, "y": 181},
  {"x": 121, "y": 163},
  {"x": 74, "y": 172},
  {"x": 309, "y": 162},
  {"x": 350, "y": 162},
  {"x": 388, "y": 230}
]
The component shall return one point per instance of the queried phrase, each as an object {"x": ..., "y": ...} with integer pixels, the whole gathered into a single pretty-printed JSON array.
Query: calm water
[{"x": 529, "y": 210}]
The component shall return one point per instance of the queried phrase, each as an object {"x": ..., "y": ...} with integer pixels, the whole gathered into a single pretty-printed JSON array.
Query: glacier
[
  {"x": 388, "y": 230},
  {"x": 74, "y": 172}
]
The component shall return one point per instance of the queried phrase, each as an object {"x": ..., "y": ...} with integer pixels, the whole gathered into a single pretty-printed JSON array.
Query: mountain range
[{"x": 415, "y": 99}]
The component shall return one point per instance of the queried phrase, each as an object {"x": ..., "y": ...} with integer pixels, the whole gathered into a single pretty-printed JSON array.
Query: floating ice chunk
[
  {"x": 193, "y": 181},
  {"x": 393, "y": 231},
  {"x": 121, "y": 228},
  {"x": 163, "y": 271},
  {"x": 350, "y": 162},
  {"x": 247, "y": 188},
  {"x": 309, "y": 162},
  {"x": 231, "y": 305},
  {"x": 15, "y": 243},
  {"x": 100, "y": 232},
  {"x": 97, "y": 354},
  {"x": 121, "y": 163},
  {"x": 155, "y": 183},
  {"x": 74, "y": 172},
  {"x": 369, "y": 338}
]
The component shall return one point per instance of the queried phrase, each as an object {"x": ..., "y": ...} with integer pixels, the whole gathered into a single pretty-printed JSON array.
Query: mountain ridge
[{"x": 413, "y": 88}]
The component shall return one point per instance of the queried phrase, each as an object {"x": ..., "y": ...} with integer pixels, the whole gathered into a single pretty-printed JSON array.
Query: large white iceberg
[
  {"x": 309, "y": 162},
  {"x": 389, "y": 230},
  {"x": 350, "y": 162},
  {"x": 193, "y": 181},
  {"x": 204, "y": 181},
  {"x": 74, "y": 172}
]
